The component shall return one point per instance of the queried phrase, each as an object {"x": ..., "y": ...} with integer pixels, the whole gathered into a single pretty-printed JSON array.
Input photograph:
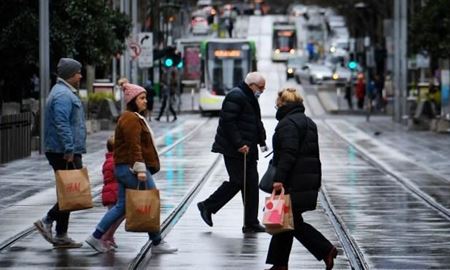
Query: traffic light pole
[
  {"x": 44, "y": 65},
  {"x": 400, "y": 52}
]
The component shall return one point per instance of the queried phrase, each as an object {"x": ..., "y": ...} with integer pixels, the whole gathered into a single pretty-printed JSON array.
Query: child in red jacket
[{"x": 110, "y": 191}]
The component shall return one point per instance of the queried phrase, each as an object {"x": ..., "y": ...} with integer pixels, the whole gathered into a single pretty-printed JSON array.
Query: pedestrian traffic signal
[
  {"x": 180, "y": 65},
  {"x": 168, "y": 62},
  {"x": 352, "y": 65},
  {"x": 172, "y": 59}
]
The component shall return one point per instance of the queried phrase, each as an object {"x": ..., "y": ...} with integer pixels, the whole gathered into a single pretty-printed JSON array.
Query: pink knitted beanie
[{"x": 131, "y": 91}]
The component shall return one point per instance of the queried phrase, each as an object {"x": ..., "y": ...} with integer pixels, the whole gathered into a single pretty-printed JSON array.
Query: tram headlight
[
  {"x": 333, "y": 49},
  {"x": 335, "y": 76},
  {"x": 277, "y": 51},
  {"x": 292, "y": 51},
  {"x": 290, "y": 70}
]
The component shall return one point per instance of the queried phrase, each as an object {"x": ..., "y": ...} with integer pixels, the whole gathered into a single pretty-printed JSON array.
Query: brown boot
[{"x": 329, "y": 259}]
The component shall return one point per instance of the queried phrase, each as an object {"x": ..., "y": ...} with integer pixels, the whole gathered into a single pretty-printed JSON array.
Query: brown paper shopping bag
[
  {"x": 287, "y": 219},
  {"x": 142, "y": 212},
  {"x": 73, "y": 189}
]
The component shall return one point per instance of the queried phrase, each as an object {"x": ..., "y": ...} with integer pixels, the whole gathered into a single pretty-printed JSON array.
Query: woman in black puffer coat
[{"x": 296, "y": 157}]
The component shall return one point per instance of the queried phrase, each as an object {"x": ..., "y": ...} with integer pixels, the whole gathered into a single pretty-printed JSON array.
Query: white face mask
[{"x": 257, "y": 94}]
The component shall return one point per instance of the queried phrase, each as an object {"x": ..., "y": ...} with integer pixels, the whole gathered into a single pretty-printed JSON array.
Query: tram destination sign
[{"x": 233, "y": 53}]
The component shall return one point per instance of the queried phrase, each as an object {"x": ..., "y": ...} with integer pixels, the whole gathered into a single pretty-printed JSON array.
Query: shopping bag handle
[
  {"x": 139, "y": 184},
  {"x": 274, "y": 193},
  {"x": 71, "y": 162},
  {"x": 272, "y": 197}
]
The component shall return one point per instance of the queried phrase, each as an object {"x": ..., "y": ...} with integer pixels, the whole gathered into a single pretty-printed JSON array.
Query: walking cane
[{"x": 245, "y": 184}]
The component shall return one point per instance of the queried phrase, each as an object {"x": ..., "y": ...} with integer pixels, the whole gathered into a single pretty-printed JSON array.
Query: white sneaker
[
  {"x": 65, "y": 241},
  {"x": 97, "y": 244},
  {"x": 163, "y": 247},
  {"x": 45, "y": 229}
]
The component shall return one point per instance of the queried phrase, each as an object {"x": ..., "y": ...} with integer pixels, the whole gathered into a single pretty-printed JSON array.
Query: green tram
[{"x": 224, "y": 63}]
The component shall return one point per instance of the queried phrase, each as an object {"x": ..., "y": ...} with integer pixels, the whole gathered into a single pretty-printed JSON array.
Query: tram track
[
  {"x": 424, "y": 197},
  {"x": 354, "y": 254},
  {"x": 97, "y": 194},
  {"x": 174, "y": 216},
  {"x": 351, "y": 249}
]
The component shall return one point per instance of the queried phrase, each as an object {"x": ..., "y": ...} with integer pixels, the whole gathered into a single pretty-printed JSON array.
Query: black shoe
[
  {"x": 253, "y": 229},
  {"x": 329, "y": 259},
  {"x": 205, "y": 214},
  {"x": 158, "y": 119}
]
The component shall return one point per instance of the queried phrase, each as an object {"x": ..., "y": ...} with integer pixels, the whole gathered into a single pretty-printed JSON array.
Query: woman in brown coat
[{"x": 136, "y": 159}]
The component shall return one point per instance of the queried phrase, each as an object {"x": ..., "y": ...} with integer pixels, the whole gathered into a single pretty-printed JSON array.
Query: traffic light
[
  {"x": 352, "y": 64},
  {"x": 172, "y": 59},
  {"x": 168, "y": 61},
  {"x": 180, "y": 65}
]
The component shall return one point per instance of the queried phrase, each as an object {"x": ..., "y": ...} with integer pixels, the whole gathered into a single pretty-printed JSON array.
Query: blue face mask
[{"x": 258, "y": 94}]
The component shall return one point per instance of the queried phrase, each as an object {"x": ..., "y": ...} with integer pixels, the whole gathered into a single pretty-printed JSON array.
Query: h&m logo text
[
  {"x": 143, "y": 209},
  {"x": 73, "y": 187}
]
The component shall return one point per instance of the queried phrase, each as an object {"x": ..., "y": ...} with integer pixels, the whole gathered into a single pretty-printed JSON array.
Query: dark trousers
[
  {"x": 163, "y": 107},
  {"x": 228, "y": 189},
  {"x": 57, "y": 162},
  {"x": 311, "y": 239}
]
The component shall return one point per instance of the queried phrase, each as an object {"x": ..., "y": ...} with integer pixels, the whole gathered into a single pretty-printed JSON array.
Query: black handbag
[{"x": 266, "y": 183}]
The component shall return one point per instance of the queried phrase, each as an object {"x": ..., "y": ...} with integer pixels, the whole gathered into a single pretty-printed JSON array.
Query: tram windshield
[
  {"x": 227, "y": 64},
  {"x": 284, "y": 40}
]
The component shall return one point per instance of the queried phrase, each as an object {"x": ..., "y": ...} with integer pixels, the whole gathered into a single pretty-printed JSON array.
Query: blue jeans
[{"x": 126, "y": 179}]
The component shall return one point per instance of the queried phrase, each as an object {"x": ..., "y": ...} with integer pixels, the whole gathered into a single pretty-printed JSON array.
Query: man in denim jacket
[{"x": 65, "y": 142}]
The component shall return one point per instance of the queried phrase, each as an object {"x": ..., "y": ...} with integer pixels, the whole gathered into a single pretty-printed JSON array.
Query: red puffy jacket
[{"x": 110, "y": 185}]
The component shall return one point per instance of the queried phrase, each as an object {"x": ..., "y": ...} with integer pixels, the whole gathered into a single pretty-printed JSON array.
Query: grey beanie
[{"x": 67, "y": 67}]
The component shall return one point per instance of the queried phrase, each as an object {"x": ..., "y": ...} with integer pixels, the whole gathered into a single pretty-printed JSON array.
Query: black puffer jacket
[
  {"x": 296, "y": 155},
  {"x": 239, "y": 124}
]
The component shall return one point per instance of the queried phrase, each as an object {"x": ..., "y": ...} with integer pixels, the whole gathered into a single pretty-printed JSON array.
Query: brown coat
[{"x": 133, "y": 143}]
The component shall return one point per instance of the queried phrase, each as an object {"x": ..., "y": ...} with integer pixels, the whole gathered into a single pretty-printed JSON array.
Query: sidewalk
[{"x": 426, "y": 147}]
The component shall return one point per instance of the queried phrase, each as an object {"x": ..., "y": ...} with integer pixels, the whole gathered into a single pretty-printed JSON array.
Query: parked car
[{"x": 315, "y": 73}]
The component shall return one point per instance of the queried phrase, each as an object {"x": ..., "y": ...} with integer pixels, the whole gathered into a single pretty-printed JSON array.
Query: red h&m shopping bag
[
  {"x": 73, "y": 189},
  {"x": 142, "y": 210}
]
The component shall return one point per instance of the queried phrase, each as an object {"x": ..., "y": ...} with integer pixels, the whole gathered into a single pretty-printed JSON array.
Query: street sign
[
  {"x": 135, "y": 50},
  {"x": 145, "y": 41}
]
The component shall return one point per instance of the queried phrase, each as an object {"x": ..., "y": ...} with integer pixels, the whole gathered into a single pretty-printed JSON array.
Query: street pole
[
  {"x": 133, "y": 64},
  {"x": 124, "y": 58},
  {"x": 397, "y": 113},
  {"x": 403, "y": 53},
  {"x": 400, "y": 53},
  {"x": 44, "y": 64},
  {"x": 114, "y": 62}
]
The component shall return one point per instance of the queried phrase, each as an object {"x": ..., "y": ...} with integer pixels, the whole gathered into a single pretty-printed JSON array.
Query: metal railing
[{"x": 15, "y": 136}]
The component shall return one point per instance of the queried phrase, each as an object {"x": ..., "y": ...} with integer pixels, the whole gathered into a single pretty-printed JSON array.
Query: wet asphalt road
[{"x": 366, "y": 179}]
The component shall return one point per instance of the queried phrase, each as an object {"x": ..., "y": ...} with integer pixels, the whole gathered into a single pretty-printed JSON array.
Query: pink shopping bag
[{"x": 274, "y": 210}]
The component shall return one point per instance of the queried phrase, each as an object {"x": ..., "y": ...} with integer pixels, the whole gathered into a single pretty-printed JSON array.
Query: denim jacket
[{"x": 65, "y": 128}]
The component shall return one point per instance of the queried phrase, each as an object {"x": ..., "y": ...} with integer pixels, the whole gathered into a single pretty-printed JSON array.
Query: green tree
[
  {"x": 87, "y": 30},
  {"x": 430, "y": 29}
]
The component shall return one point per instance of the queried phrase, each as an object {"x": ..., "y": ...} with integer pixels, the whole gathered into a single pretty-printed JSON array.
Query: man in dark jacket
[{"x": 239, "y": 132}]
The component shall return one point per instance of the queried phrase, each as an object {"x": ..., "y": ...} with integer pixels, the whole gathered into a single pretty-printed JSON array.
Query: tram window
[
  {"x": 237, "y": 75},
  {"x": 218, "y": 81}
]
